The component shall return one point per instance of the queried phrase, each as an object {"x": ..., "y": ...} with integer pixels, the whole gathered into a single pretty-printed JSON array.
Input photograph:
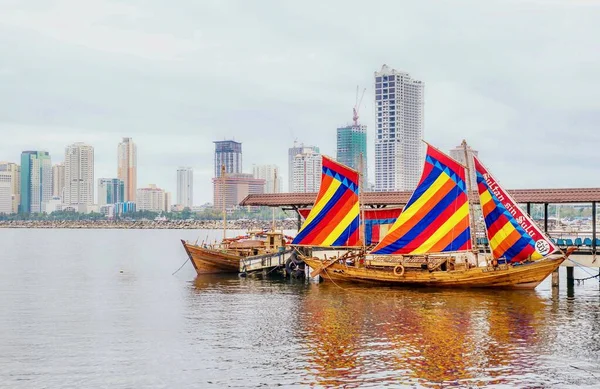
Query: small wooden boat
[
  {"x": 432, "y": 242},
  {"x": 226, "y": 257}
]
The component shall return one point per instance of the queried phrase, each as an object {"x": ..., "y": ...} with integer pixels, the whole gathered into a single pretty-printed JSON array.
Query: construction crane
[{"x": 357, "y": 105}]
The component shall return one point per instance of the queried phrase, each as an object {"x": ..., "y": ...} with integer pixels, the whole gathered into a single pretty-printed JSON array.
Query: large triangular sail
[
  {"x": 511, "y": 232},
  {"x": 436, "y": 218},
  {"x": 334, "y": 219}
]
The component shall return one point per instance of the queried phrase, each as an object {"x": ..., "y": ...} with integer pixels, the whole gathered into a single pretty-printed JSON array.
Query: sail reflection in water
[{"x": 424, "y": 337}]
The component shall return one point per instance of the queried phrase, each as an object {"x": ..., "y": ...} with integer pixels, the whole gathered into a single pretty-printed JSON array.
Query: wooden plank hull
[
  {"x": 207, "y": 261},
  {"x": 526, "y": 276}
]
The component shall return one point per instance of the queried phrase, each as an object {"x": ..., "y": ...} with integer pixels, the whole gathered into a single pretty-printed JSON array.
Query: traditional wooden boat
[
  {"x": 226, "y": 256},
  {"x": 433, "y": 240}
]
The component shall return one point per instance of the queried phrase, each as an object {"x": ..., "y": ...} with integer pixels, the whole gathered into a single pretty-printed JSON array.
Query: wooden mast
[
  {"x": 224, "y": 202},
  {"x": 361, "y": 178},
  {"x": 469, "y": 194}
]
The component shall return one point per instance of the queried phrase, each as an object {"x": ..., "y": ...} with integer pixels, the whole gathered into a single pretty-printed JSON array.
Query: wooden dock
[{"x": 265, "y": 263}]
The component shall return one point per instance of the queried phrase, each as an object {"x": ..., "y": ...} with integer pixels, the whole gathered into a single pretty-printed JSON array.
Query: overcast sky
[{"x": 520, "y": 80}]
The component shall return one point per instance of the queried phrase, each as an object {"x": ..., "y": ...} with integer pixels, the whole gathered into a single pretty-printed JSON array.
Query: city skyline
[{"x": 497, "y": 99}]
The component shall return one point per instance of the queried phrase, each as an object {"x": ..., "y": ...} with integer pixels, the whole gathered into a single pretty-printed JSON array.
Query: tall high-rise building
[
  {"x": 6, "y": 189},
  {"x": 306, "y": 172},
  {"x": 458, "y": 153},
  {"x": 185, "y": 186},
  {"x": 36, "y": 181},
  {"x": 110, "y": 191},
  {"x": 351, "y": 144},
  {"x": 15, "y": 170},
  {"x": 228, "y": 153},
  {"x": 127, "y": 167},
  {"x": 292, "y": 152},
  {"x": 399, "y": 150},
  {"x": 269, "y": 173},
  {"x": 79, "y": 174},
  {"x": 58, "y": 180}
]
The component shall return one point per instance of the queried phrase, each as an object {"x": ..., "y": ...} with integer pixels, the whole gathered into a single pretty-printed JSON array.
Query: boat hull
[
  {"x": 207, "y": 261},
  {"x": 526, "y": 276}
]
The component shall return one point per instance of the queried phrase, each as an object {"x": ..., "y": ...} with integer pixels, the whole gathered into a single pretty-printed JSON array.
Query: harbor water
[{"x": 101, "y": 309}]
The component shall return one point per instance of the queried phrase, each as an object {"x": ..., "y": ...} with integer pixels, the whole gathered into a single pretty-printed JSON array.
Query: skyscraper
[
  {"x": 36, "y": 181},
  {"x": 458, "y": 153},
  {"x": 15, "y": 170},
  {"x": 79, "y": 174},
  {"x": 269, "y": 173},
  {"x": 292, "y": 152},
  {"x": 307, "y": 172},
  {"x": 58, "y": 180},
  {"x": 399, "y": 150},
  {"x": 185, "y": 186},
  {"x": 110, "y": 191},
  {"x": 127, "y": 167},
  {"x": 351, "y": 143},
  {"x": 6, "y": 188},
  {"x": 228, "y": 153}
]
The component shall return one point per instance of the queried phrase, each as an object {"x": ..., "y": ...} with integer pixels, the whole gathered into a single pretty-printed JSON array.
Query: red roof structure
[{"x": 383, "y": 199}]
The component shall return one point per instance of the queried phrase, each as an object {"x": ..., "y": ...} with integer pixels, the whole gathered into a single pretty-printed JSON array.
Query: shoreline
[{"x": 149, "y": 224}]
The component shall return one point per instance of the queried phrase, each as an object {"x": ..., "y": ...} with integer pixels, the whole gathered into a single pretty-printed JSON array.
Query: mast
[
  {"x": 224, "y": 202},
  {"x": 361, "y": 178},
  {"x": 274, "y": 191},
  {"x": 469, "y": 195}
]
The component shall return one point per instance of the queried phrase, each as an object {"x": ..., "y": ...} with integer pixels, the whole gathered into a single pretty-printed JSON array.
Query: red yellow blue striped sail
[
  {"x": 436, "y": 218},
  {"x": 511, "y": 233},
  {"x": 334, "y": 219}
]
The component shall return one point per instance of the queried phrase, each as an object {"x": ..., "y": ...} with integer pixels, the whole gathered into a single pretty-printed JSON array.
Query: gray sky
[{"x": 520, "y": 80}]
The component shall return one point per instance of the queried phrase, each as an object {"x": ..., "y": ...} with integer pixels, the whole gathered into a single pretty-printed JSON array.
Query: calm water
[{"x": 100, "y": 309}]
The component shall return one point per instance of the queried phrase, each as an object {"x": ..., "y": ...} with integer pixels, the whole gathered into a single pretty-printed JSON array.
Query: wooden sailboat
[
  {"x": 226, "y": 256},
  {"x": 432, "y": 242}
]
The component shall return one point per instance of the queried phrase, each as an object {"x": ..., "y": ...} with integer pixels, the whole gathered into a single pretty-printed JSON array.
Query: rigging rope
[{"x": 180, "y": 267}]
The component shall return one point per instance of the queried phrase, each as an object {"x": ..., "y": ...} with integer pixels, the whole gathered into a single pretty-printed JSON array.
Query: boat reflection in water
[{"x": 427, "y": 337}]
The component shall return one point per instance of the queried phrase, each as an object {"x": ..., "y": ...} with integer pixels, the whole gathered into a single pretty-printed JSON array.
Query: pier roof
[{"x": 382, "y": 199}]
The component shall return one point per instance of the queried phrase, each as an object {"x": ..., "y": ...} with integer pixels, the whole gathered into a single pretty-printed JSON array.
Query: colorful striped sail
[
  {"x": 334, "y": 219},
  {"x": 511, "y": 232},
  {"x": 436, "y": 218},
  {"x": 377, "y": 222}
]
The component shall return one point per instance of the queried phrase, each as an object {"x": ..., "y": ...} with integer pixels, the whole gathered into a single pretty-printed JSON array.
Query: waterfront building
[
  {"x": 458, "y": 153},
  {"x": 54, "y": 204},
  {"x": 79, "y": 175},
  {"x": 233, "y": 188},
  {"x": 292, "y": 152},
  {"x": 58, "y": 180},
  {"x": 399, "y": 150},
  {"x": 151, "y": 198},
  {"x": 351, "y": 144},
  {"x": 36, "y": 180},
  {"x": 15, "y": 170},
  {"x": 185, "y": 186},
  {"x": 306, "y": 172},
  {"x": 269, "y": 173},
  {"x": 127, "y": 167},
  {"x": 6, "y": 189},
  {"x": 228, "y": 153},
  {"x": 110, "y": 191}
]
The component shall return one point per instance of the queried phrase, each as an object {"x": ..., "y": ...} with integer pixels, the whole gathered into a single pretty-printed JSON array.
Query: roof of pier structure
[{"x": 382, "y": 199}]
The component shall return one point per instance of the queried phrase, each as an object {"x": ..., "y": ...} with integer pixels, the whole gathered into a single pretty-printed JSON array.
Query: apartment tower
[
  {"x": 399, "y": 150},
  {"x": 127, "y": 167},
  {"x": 79, "y": 175}
]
